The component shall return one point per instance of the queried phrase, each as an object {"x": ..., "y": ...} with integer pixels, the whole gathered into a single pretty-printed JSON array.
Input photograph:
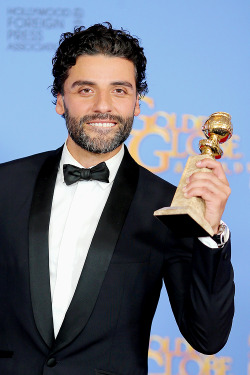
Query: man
[{"x": 82, "y": 258}]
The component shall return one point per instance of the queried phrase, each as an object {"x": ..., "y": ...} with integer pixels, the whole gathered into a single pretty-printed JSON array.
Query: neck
[{"x": 86, "y": 158}]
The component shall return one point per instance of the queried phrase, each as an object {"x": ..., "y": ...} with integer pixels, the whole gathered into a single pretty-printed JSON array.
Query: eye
[
  {"x": 85, "y": 91},
  {"x": 120, "y": 91}
]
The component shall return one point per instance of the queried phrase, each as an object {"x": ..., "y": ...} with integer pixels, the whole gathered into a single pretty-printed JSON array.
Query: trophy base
[{"x": 184, "y": 221}]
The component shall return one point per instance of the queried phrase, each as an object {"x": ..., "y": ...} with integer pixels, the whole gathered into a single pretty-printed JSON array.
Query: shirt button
[{"x": 51, "y": 362}]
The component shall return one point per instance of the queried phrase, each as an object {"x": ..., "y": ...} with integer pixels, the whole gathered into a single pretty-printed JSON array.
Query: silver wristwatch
[{"x": 219, "y": 237}]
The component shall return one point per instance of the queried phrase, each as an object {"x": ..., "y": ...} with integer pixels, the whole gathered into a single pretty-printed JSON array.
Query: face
[{"x": 99, "y": 102}]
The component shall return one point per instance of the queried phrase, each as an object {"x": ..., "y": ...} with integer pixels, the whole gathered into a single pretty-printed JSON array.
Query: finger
[
  {"x": 207, "y": 177},
  {"x": 215, "y": 166},
  {"x": 202, "y": 187},
  {"x": 215, "y": 201}
]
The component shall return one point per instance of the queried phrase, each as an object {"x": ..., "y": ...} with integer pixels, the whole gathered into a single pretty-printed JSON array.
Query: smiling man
[
  {"x": 99, "y": 101},
  {"x": 82, "y": 258}
]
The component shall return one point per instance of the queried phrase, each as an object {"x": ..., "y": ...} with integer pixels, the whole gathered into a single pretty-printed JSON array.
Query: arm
[{"x": 200, "y": 281}]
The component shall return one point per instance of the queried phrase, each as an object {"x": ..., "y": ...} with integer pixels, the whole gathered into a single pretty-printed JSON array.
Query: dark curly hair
[{"x": 97, "y": 39}]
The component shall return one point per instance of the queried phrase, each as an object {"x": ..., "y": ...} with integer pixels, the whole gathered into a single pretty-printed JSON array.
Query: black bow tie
[{"x": 73, "y": 174}]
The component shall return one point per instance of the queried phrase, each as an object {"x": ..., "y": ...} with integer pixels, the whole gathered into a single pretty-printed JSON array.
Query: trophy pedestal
[{"x": 185, "y": 216}]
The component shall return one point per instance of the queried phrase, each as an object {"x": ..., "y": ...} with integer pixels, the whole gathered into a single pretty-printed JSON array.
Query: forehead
[{"x": 102, "y": 68}]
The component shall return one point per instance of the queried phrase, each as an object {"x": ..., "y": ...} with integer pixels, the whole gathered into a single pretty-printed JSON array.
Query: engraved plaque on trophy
[{"x": 185, "y": 216}]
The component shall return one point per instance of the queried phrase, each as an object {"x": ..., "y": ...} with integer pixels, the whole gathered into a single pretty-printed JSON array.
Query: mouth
[{"x": 102, "y": 124}]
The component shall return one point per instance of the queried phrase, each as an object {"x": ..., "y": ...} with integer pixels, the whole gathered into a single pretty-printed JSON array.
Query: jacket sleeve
[{"x": 199, "y": 282}]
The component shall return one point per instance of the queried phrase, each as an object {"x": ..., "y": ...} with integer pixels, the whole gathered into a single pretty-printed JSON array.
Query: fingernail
[{"x": 198, "y": 163}]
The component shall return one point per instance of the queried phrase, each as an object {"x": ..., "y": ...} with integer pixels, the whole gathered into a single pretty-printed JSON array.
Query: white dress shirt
[{"x": 76, "y": 210}]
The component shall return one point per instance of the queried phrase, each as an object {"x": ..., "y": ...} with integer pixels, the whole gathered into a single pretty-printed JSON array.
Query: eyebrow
[
  {"x": 91, "y": 83},
  {"x": 82, "y": 83},
  {"x": 122, "y": 83}
]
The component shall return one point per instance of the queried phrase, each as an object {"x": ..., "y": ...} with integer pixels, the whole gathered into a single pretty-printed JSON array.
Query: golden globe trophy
[{"x": 185, "y": 216}]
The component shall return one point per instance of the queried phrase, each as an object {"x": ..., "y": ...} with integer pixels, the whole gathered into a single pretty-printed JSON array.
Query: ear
[
  {"x": 60, "y": 105},
  {"x": 137, "y": 110}
]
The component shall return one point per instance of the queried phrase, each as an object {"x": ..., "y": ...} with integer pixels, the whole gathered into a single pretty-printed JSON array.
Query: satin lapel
[
  {"x": 100, "y": 252},
  {"x": 38, "y": 246}
]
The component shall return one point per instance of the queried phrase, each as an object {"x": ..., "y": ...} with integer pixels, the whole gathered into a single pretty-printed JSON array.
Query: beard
[{"x": 97, "y": 139}]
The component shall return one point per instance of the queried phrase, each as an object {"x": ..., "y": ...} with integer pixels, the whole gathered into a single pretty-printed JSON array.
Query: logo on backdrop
[
  {"x": 181, "y": 358},
  {"x": 34, "y": 28},
  {"x": 174, "y": 139}
]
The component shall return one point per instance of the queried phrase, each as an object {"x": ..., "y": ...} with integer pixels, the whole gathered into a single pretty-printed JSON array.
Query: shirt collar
[{"x": 113, "y": 164}]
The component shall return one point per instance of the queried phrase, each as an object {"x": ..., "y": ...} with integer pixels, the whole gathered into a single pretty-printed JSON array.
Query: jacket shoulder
[
  {"x": 21, "y": 171},
  {"x": 28, "y": 162}
]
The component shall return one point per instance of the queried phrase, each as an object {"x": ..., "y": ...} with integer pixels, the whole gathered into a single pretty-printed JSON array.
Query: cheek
[
  {"x": 126, "y": 109},
  {"x": 78, "y": 108}
]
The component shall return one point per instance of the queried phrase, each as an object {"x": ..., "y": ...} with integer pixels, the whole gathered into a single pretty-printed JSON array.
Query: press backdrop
[{"x": 198, "y": 63}]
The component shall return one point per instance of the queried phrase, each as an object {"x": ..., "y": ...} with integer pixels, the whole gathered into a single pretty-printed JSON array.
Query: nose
[{"x": 102, "y": 103}]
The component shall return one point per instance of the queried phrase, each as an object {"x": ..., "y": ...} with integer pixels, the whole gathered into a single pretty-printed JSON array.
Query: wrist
[
  {"x": 216, "y": 228},
  {"x": 220, "y": 236}
]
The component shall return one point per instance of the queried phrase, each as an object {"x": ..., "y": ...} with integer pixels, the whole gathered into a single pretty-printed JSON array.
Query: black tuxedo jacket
[{"x": 107, "y": 326}]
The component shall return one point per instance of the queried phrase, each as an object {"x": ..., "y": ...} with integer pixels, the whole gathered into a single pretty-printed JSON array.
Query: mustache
[{"x": 101, "y": 116}]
